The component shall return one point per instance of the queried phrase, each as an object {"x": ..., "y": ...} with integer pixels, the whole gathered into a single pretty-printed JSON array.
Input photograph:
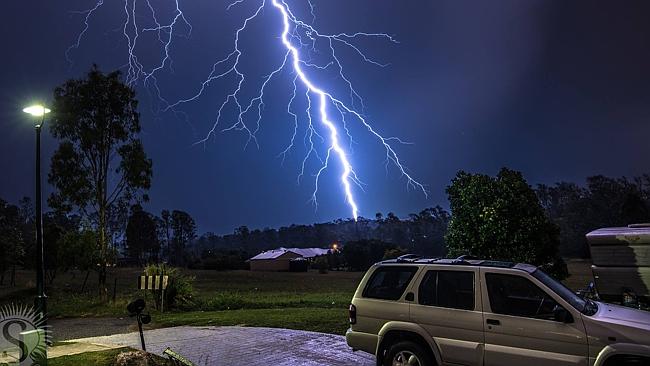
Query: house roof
[
  {"x": 308, "y": 252},
  {"x": 303, "y": 252}
]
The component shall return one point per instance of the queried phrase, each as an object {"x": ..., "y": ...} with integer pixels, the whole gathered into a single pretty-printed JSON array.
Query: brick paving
[{"x": 244, "y": 346}]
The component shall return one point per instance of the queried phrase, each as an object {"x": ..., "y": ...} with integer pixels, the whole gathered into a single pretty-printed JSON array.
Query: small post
[
  {"x": 114, "y": 289},
  {"x": 141, "y": 333},
  {"x": 162, "y": 300},
  {"x": 163, "y": 286},
  {"x": 135, "y": 308}
]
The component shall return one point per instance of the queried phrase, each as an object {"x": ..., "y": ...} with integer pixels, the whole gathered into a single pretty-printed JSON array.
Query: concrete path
[
  {"x": 71, "y": 328},
  {"x": 76, "y": 348},
  {"x": 244, "y": 346}
]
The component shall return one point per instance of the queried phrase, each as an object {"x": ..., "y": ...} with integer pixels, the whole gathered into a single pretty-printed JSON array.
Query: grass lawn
[
  {"x": 334, "y": 321},
  {"x": 308, "y": 301}
]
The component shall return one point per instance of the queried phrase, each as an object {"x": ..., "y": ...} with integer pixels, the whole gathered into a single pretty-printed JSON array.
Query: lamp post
[{"x": 39, "y": 112}]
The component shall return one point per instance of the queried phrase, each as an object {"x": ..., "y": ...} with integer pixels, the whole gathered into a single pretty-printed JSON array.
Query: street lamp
[{"x": 39, "y": 112}]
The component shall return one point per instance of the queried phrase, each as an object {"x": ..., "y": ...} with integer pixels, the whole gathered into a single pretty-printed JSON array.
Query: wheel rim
[{"x": 406, "y": 358}]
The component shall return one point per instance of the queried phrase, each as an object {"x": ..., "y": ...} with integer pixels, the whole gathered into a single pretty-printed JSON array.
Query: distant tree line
[
  {"x": 487, "y": 212},
  {"x": 151, "y": 239},
  {"x": 601, "y": 202},
  {"x": 421, "y": 233}
]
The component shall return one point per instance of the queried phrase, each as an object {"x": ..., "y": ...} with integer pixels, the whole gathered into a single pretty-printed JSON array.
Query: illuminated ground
[{"x": 245, "y": 346}]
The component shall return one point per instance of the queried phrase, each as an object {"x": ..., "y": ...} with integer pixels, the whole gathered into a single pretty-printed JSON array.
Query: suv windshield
[{"x": 582, "y": 305}]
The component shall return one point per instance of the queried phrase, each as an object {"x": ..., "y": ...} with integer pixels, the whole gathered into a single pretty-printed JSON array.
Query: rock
[{"x": 138, "y": 358}]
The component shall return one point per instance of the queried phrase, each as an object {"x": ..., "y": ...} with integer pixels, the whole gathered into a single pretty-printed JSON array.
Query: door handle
[{"x": 493, "y": 322}]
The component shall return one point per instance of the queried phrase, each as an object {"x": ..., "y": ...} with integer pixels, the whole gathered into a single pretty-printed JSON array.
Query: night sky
[{"x": 556, "y": 89}]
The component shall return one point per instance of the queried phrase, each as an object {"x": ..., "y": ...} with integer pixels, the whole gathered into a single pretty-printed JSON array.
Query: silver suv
[{"x": 418, "y": 312}]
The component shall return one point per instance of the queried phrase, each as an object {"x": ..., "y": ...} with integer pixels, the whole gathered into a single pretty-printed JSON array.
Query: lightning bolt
[{"x": 324, "y": 109}]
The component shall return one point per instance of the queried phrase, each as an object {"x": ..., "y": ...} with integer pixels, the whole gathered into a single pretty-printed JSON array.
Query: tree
[
  {"x": 567, "y": 205},
  {"x": 361, "y": 254},
  {"x": 100, "y": 164},
  {"x": 427, "y": 231},
  {"x": 28, "y": 230},
  {"x": 184, "y": 232},
  {"x": 603, "y": 202},
  {"x": 141, "y": 235},
  {"x": 501, "y": 218},
  {"x": 81, "y": 250},
  {"x": 164, "y": 231},
  {"x": 57, "y": 258},
  {"x": 393, "y": 253},
  {"x": 11, "y": 239}
]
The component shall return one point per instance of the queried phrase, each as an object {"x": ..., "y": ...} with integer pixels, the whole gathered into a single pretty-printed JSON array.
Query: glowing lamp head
[{"x": 37, "y": 110}]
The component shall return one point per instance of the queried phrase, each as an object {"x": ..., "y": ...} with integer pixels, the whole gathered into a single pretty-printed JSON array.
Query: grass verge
[{"x": 334, "y": 321}]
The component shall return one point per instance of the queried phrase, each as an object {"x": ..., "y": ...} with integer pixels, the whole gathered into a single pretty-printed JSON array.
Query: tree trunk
[
  {"x": 51, "y": 275},
  {"x": 103, "y": 250},
  {"x": 83, "y": 286}
]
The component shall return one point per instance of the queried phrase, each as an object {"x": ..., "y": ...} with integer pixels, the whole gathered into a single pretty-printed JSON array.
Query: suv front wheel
[{"x": 407, "y": 353}]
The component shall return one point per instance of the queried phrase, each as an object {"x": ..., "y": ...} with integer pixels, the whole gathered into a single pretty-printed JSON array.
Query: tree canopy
[
  {"x": 184, "y": 233},
  {"x": 11, "y": 239},
  {"x": 100, "y": 165},
  {"x": 602, "y": 202},
  {"x": 501, "y": 218},
  {"x": 142, "y": 235}
]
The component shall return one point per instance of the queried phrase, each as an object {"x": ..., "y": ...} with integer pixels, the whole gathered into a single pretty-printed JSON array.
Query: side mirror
[{"x": 561, "y": 314}]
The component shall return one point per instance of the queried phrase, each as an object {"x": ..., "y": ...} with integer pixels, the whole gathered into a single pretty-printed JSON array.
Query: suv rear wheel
[{"x": 407, "y": 353}]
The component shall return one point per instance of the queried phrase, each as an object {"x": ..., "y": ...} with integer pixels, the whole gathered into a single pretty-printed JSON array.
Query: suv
[{"x": 418, "y": 312}]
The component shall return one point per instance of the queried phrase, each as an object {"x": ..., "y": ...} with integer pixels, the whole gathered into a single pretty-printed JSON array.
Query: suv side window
[
  {"x": 389, "y": 282},
  {"x": 518, "y": 296},
  {"x": 447, "y": 289}
]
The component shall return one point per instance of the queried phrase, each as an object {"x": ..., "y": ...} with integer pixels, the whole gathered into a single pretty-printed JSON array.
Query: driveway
[{"x": 244, "y": 346}]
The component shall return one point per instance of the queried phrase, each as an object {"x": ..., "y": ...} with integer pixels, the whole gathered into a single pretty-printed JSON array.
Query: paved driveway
[{"x": 245, "y": 346}]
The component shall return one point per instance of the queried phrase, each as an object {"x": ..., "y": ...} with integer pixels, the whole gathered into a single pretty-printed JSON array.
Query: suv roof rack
[
  {"x": 408, "y": 258},
  {"x": 463, "y": 259}
]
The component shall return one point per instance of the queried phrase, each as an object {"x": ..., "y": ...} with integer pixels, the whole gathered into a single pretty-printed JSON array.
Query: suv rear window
[
  {"x": 447, "y": 289},
  {"x": 389, "y": 282}
]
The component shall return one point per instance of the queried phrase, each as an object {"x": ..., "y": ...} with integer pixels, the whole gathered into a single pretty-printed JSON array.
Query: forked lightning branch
[{"x": 328, "y": 114}]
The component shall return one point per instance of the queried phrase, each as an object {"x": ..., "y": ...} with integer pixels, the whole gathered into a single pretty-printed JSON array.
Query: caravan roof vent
[{"x": 636, "y": 226}]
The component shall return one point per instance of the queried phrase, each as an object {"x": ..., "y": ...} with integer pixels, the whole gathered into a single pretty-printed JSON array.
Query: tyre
[{"x": 407, "y": 353}]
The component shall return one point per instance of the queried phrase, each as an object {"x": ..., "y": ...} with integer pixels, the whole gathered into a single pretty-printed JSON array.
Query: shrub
[
  {"x": 179, "y": 290},
  {"x": 321, "y": 264},
  {"x": 501, "y": 218}
]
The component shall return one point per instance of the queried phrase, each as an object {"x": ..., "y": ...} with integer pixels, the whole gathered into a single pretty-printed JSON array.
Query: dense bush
[
  {"x": 501, "y": 218},
  {"x": 361, "y": 254},
  {"x": 179, "y": 290},
  {"x": 321, "y": 264},
  {"x": 223, "y": 260}
]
